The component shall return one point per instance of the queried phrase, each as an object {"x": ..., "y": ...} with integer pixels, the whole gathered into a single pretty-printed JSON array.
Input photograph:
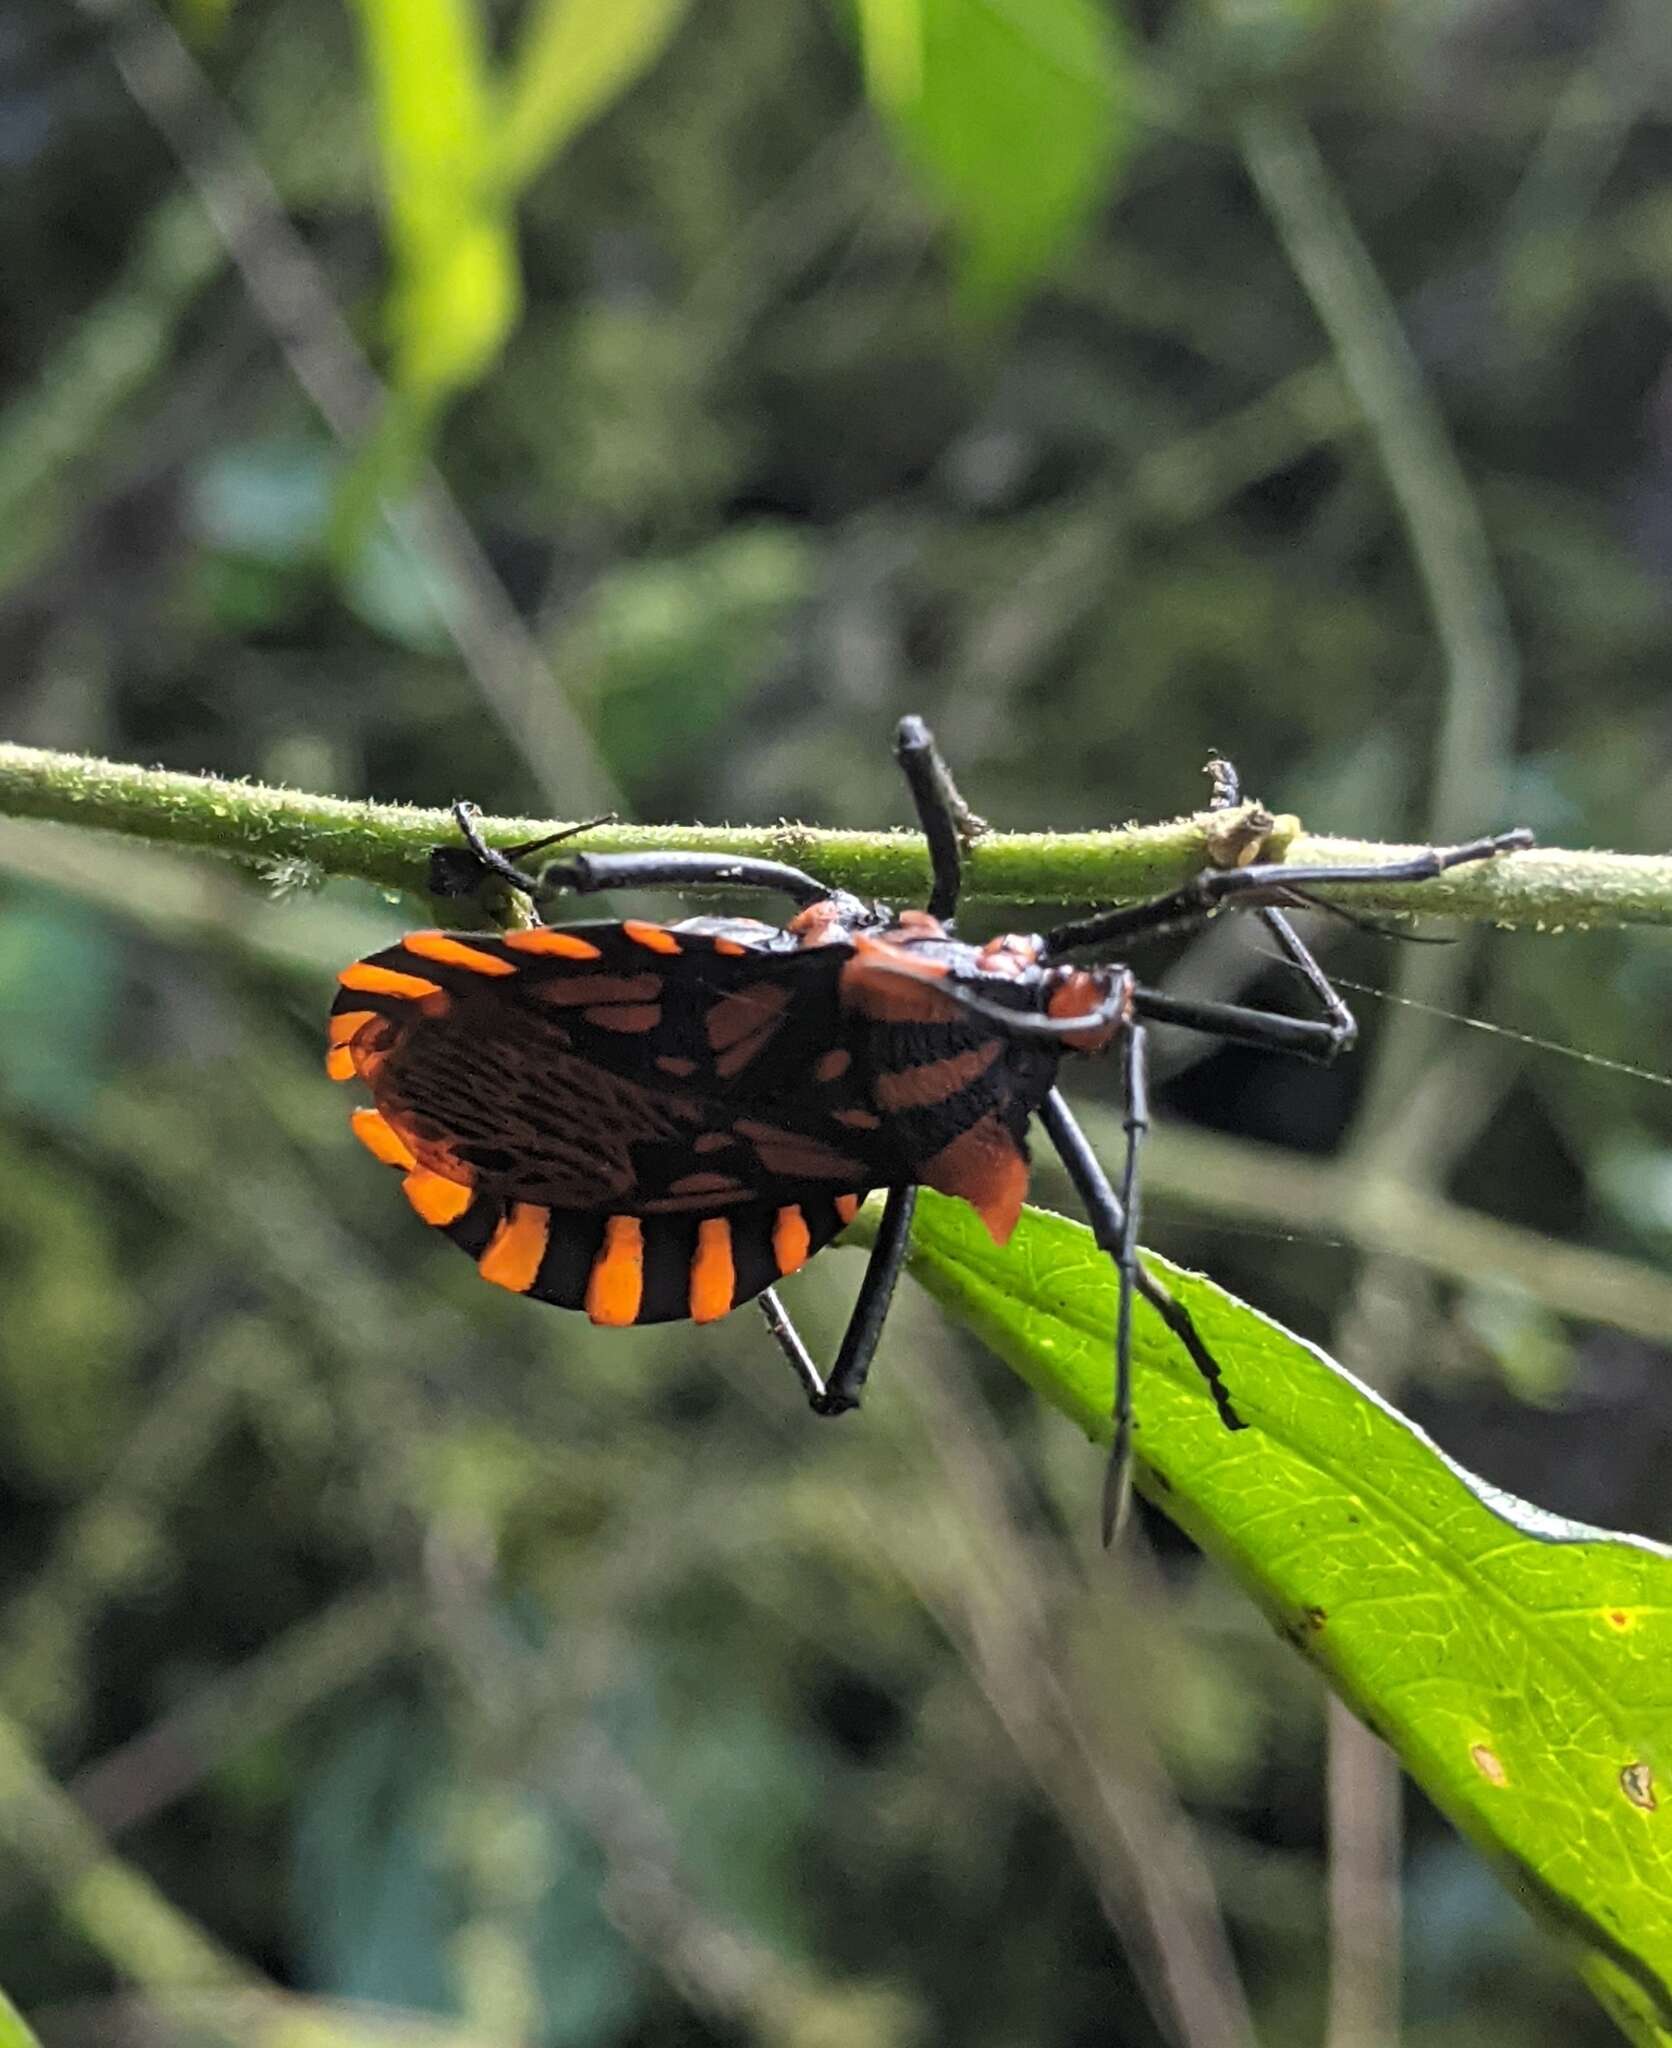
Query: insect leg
[
  {"x": 587, "y": 873},
  {"x": 789, "y": 1342},
  {"x": 1310, "y": 1037},
  {"x": 1342, "y": 1025},
  {"x": 842, "y": 1390},
  {"x": 1117, "y": 1477},
  {"x": 859, "y": 1340},
  {"x": 945, "y": 817},
  {"x": 458, "y": 873},
  {"x": 1181, "y": 909},
  {"x": 1109, "y": 1223}
]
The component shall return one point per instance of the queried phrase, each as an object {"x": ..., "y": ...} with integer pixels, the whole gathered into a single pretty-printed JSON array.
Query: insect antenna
[
  {"x": 1303, "y": 899},
  {"x": 456, "y": 871}
]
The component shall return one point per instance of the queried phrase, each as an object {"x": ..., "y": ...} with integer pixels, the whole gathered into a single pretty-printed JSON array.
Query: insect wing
[{"x": 640, "y": 1120}]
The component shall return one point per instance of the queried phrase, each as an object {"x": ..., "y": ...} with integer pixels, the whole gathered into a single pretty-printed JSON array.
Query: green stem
[{"x": 388, "y": 845}]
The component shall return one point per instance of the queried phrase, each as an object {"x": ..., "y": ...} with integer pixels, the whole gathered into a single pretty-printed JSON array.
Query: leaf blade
[
  {"x": 1520, "y": 1665},
  {"x": 1017, "y": 112},
  {"x": 575, "y": 58},
  {"x": 15, "y": 2031},
  {"x": 457, "y": 289}
]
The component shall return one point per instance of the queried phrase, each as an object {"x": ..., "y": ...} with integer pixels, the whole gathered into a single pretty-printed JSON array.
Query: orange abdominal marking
[
  {"x": 937, "y": 1080},
  {"x": 713, "y": 1275},
  {"x": 847, "y": 1207},
  {"x": 438, "y": 1200},
  {"x": 339, "y": 1063},
  {"x": 615, "y": 1286},
  {"x": 655, "y": 938},
  {"x": 713, "y": 1141},
  {"x": 386, "y": 981},
  {"x": 702, "y": 1183},
  {"x": 446, "y": 951},
  {"x": 791, "y": 1240},
  {"x": 730, "y": 948},
  {"x": 555, "y": 945},
  {"x": 856, "y": 1119},
  {"x": 680, "y": 1069},
  {"x": 343, "y": 1027},
  {"x": 832, "y": 1065},
  {"x": 381, "y": 1139},
  {"x": 516, "y": 1248}
]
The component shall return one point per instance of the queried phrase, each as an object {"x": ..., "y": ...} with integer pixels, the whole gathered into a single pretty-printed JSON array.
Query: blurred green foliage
[
  {"x": 679, "y": 1719},
  {"x": 1016, "y": 114}
]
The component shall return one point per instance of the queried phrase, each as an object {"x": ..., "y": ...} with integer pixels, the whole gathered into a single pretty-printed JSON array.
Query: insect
[{"x": 651, "y": 1122}]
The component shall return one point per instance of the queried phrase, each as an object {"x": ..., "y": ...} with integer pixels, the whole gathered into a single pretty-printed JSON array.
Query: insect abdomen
[{"x": 626, "y": 1269}]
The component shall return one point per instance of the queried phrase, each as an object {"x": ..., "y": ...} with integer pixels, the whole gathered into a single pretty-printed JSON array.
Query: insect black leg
[
  {"x": 1182, "y": 909},
  {"x": 842, "y": 1390},
  {"x": 456, "y": 871},
  {"x": 1341, "y": 1023},
  {"x": 459, "y": 873},
  {"x": 1110, "y": 1227},
  {"x": 587, "y": 873},
  {"x": 945, "y": 817},
  {"x": 859, "y": 1340},
  {"x": 1312, "y": 1038},
  {"x": 1117, "y": 1477}
]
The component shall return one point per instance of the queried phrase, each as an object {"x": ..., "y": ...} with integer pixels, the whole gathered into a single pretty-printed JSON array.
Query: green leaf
[
  {"x": 1015, "y": 110},
  {"x": 457, "y": 291},
  {"x": 14, "y": 2031},
  {"x": 576, "y": 57},
  {"x": 1521, "y": 1665}
]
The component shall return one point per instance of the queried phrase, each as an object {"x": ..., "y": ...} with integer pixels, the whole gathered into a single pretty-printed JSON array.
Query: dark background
[{"x": 426, "y": 1648}]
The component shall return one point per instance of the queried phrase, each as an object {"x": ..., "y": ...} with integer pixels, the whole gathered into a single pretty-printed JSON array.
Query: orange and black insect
[{"x": 651, "y": 1122}]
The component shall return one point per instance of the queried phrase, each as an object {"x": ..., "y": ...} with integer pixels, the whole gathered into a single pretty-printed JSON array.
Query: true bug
[{"x": 655, "y": 1121}]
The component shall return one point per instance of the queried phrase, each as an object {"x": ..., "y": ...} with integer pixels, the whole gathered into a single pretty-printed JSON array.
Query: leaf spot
[
  {"x": 1617, "y": 1617},
  {"x": 1637, "y": 1782},
  {"x": 1489, "y": 1764}
]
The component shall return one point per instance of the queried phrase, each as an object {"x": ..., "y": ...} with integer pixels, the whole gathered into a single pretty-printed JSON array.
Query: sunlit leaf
[
  {"x": 1016, "y": 111},
  {"x": 14, "y": 2032},
  {"x": 456, "y": 291},
  {"x": 1521, "y": 1665},
  {"x": 575, "y": 59}
]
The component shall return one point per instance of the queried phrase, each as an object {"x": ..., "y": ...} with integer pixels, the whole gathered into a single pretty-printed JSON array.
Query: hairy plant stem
[{"x": 278, "y": 830}]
